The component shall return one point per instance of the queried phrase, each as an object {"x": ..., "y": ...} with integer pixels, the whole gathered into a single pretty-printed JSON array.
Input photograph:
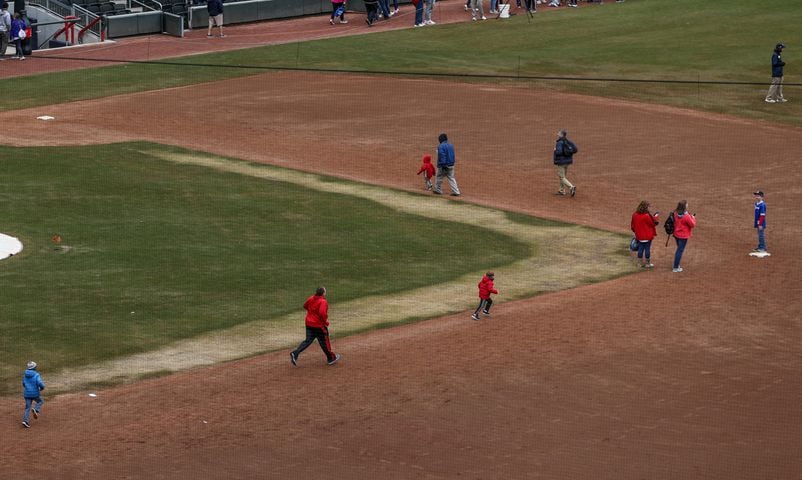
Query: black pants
[
  {"x": 322, "y": 336},
  {"x": 372, "y": 10},
  {"x": 483, "y": 305}
]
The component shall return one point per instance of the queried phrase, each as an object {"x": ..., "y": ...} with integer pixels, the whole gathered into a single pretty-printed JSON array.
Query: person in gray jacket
[{"x": 5, "y": 29}]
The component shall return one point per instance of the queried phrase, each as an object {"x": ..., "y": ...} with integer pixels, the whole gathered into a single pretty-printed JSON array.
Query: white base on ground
[
  {"x": 759, "y": 254},
  {"x": 9, "y": 246}
]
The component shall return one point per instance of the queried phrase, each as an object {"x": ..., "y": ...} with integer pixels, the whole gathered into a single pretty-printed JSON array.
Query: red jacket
[
  {"x": 683, "y": 225},
  {"x": 317, "y": 311},
  {"x": 486, "y": 288},
  {"x": 643, "y": 226},
  {"x": 427, "y": 166}
]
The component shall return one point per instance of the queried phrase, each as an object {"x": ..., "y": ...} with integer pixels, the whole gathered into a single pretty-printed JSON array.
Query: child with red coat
[
  {"x": 485, "y": 289},
  {"x": 427, "y": 169},
  {"x": 643, "y": 226}
]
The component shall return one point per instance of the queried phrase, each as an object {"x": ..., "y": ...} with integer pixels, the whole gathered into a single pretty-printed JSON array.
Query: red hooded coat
[
  {"x": 427, "y": 166},
  {"x": 486, "y": 288}
]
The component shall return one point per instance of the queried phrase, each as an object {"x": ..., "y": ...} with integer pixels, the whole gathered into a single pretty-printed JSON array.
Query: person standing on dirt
[
  {"x": 317, "y": 327},
  {"x": 5, "y": 29},
  {"x": 760, "y": 221},
  {"x": 215, "y": 9},
  {"x": 775, "y": 94},
  {"x": 643, "y": 225},
  {"x": 684, "y": 223},
  {"x": 338, "y": 9},
  {"x": 371, "y": 11},
  {"x": 446, "y": 158},
  {"x": 32, "y": 385},
  {"x": 564, "y": 151}
]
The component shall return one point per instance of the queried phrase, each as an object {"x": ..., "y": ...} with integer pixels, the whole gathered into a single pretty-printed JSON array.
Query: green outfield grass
[
  {"x": 153, "y": 252},
  {"x": 640, "y": 39}
]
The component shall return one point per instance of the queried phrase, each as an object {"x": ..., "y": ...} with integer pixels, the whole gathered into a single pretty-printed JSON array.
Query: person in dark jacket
[
  {"x": 317, "y": 327},
  {"x": 446, "y": 158},
  {"x": 564, "y": 151},
  {"x": 775, "y": 94},
  {"x": 32, "y": 385},
  {"x": 760, "y": 221},
  {"x": 372, "y": 11},
  {"x": 215, "y": 9}
]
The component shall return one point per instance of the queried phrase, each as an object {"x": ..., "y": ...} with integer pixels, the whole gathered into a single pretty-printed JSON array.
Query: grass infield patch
[{"x": 152, "y": 252}]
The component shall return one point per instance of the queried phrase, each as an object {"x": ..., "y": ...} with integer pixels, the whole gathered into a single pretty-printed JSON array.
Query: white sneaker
[
  {"x": 466, "y": 8},
  {"x": 430, "y": 22},
  {"x": 676, "y": 270},
  {"x": 343, "y": 21},
  {"x": 484, "y": 18},
  {"x": 782, "y": 100},
  {"x": 475, "y": 317},
  {"x": 473, "y": 18},
  {"x": 770, "y": 100}
]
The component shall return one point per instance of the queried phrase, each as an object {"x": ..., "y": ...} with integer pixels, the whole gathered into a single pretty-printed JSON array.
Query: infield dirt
[{"x": 658, "y": 375}]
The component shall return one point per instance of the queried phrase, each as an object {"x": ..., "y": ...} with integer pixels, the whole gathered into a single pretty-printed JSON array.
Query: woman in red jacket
[
  {"x": 684, "y": 223},
  {"x": 643, "y": 225},
  {"x": 485, "y": 289}
]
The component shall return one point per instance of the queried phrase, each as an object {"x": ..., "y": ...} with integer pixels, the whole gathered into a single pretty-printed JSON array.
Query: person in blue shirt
[
  {"x": 760, "y": 221},
  {"x": 445, "y": 167},
  {"x": 32, "y": 385},
  {"x": 775, "y": 94}
]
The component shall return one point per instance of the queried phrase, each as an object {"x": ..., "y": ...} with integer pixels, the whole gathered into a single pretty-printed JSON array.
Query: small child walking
[
  {"x": 33, "y": 385},
  {"x": 486, "y": 288},
  {"x": 427, "y": 169}
]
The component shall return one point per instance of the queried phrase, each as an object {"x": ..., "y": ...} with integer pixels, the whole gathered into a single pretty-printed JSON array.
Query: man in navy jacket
[
  {"x": 445, "y": 167},
  {"x": 564, "y": 151},
  {"x": 775, "y": 94}
]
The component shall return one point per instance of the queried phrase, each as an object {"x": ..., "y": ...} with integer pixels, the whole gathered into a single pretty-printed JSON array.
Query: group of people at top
[{"x": 12, "y": 29}]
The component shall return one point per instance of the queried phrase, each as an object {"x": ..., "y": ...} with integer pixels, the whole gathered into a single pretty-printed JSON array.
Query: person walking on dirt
[
  {"x": 486, "y": 288},
  {"x": 317, "y": 327},
  {"x": 760, "y": 221},
  {"x": 564, "y": 151},
  {"x": 446, "y": 158},
  {"x": 427, "y": 169},
  {"x": 215, "y": 9},
  {"x": 338, "y": 9},
  {"x": 32, "y": 385},
  {"x": 775, "y": 94},
  {"x": 684, "y": 223},
  {"x": 643, "y": 225}
]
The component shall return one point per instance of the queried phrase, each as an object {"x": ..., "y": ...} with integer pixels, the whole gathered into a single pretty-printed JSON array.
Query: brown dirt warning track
[{"x": 656, "y": 375}]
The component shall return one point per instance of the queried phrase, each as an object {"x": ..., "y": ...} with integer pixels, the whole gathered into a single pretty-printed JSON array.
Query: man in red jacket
[
  {"x": 317, "y": 327},
  {"x": 485, "y": 289}
]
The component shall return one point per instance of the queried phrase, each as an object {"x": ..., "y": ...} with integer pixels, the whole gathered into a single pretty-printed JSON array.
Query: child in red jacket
[
  {"x": 428, "y": 171},
  {"x": 485, "y": 289}
]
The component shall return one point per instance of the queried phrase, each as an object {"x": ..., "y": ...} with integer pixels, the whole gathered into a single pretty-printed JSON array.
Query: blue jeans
[
  {"x": 645, "y": 248},
  {"x": 419, "y": 13},
  {"x": 384, "y": 6},
  {"x": 28, "y": 401},
  {"x": 681, "y": 242},
  {"x": 761, "y": 238},
  {"x": 493, "y": 5}
]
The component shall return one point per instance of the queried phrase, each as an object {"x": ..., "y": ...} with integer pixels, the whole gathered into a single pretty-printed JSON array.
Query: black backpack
[{"x": 669, "y": 224}]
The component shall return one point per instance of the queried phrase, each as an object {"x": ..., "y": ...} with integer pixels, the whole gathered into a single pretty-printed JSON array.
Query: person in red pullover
[
  {"x": 427, "y": 169},
  {"x": 643, "y": 226},
  {"x": 684, "y": 223},
  {"x": 317, "y": 327},
  {"x": 485, "y": 289}
]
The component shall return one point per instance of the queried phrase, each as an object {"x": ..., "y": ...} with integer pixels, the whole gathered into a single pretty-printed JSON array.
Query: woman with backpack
[
  {"x": 684, "y": 223},
  {"x": 643, "y": 226}
]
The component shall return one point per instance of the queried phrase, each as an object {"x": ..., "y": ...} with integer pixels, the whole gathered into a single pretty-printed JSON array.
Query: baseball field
[{"x": 202, "y": 188}]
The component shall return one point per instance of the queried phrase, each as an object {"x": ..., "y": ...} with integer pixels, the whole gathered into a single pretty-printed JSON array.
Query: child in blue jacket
[{"x": 33, "y": 385}]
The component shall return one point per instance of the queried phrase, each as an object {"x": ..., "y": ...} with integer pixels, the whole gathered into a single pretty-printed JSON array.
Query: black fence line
[{"x": 423, "y": 74}]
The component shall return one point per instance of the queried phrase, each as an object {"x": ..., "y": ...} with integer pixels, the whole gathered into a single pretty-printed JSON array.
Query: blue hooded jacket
[
  {"x": 32, "y": 383},
  {"x": 445, "y": 154},
  {"x": 777, "y": 64}
]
